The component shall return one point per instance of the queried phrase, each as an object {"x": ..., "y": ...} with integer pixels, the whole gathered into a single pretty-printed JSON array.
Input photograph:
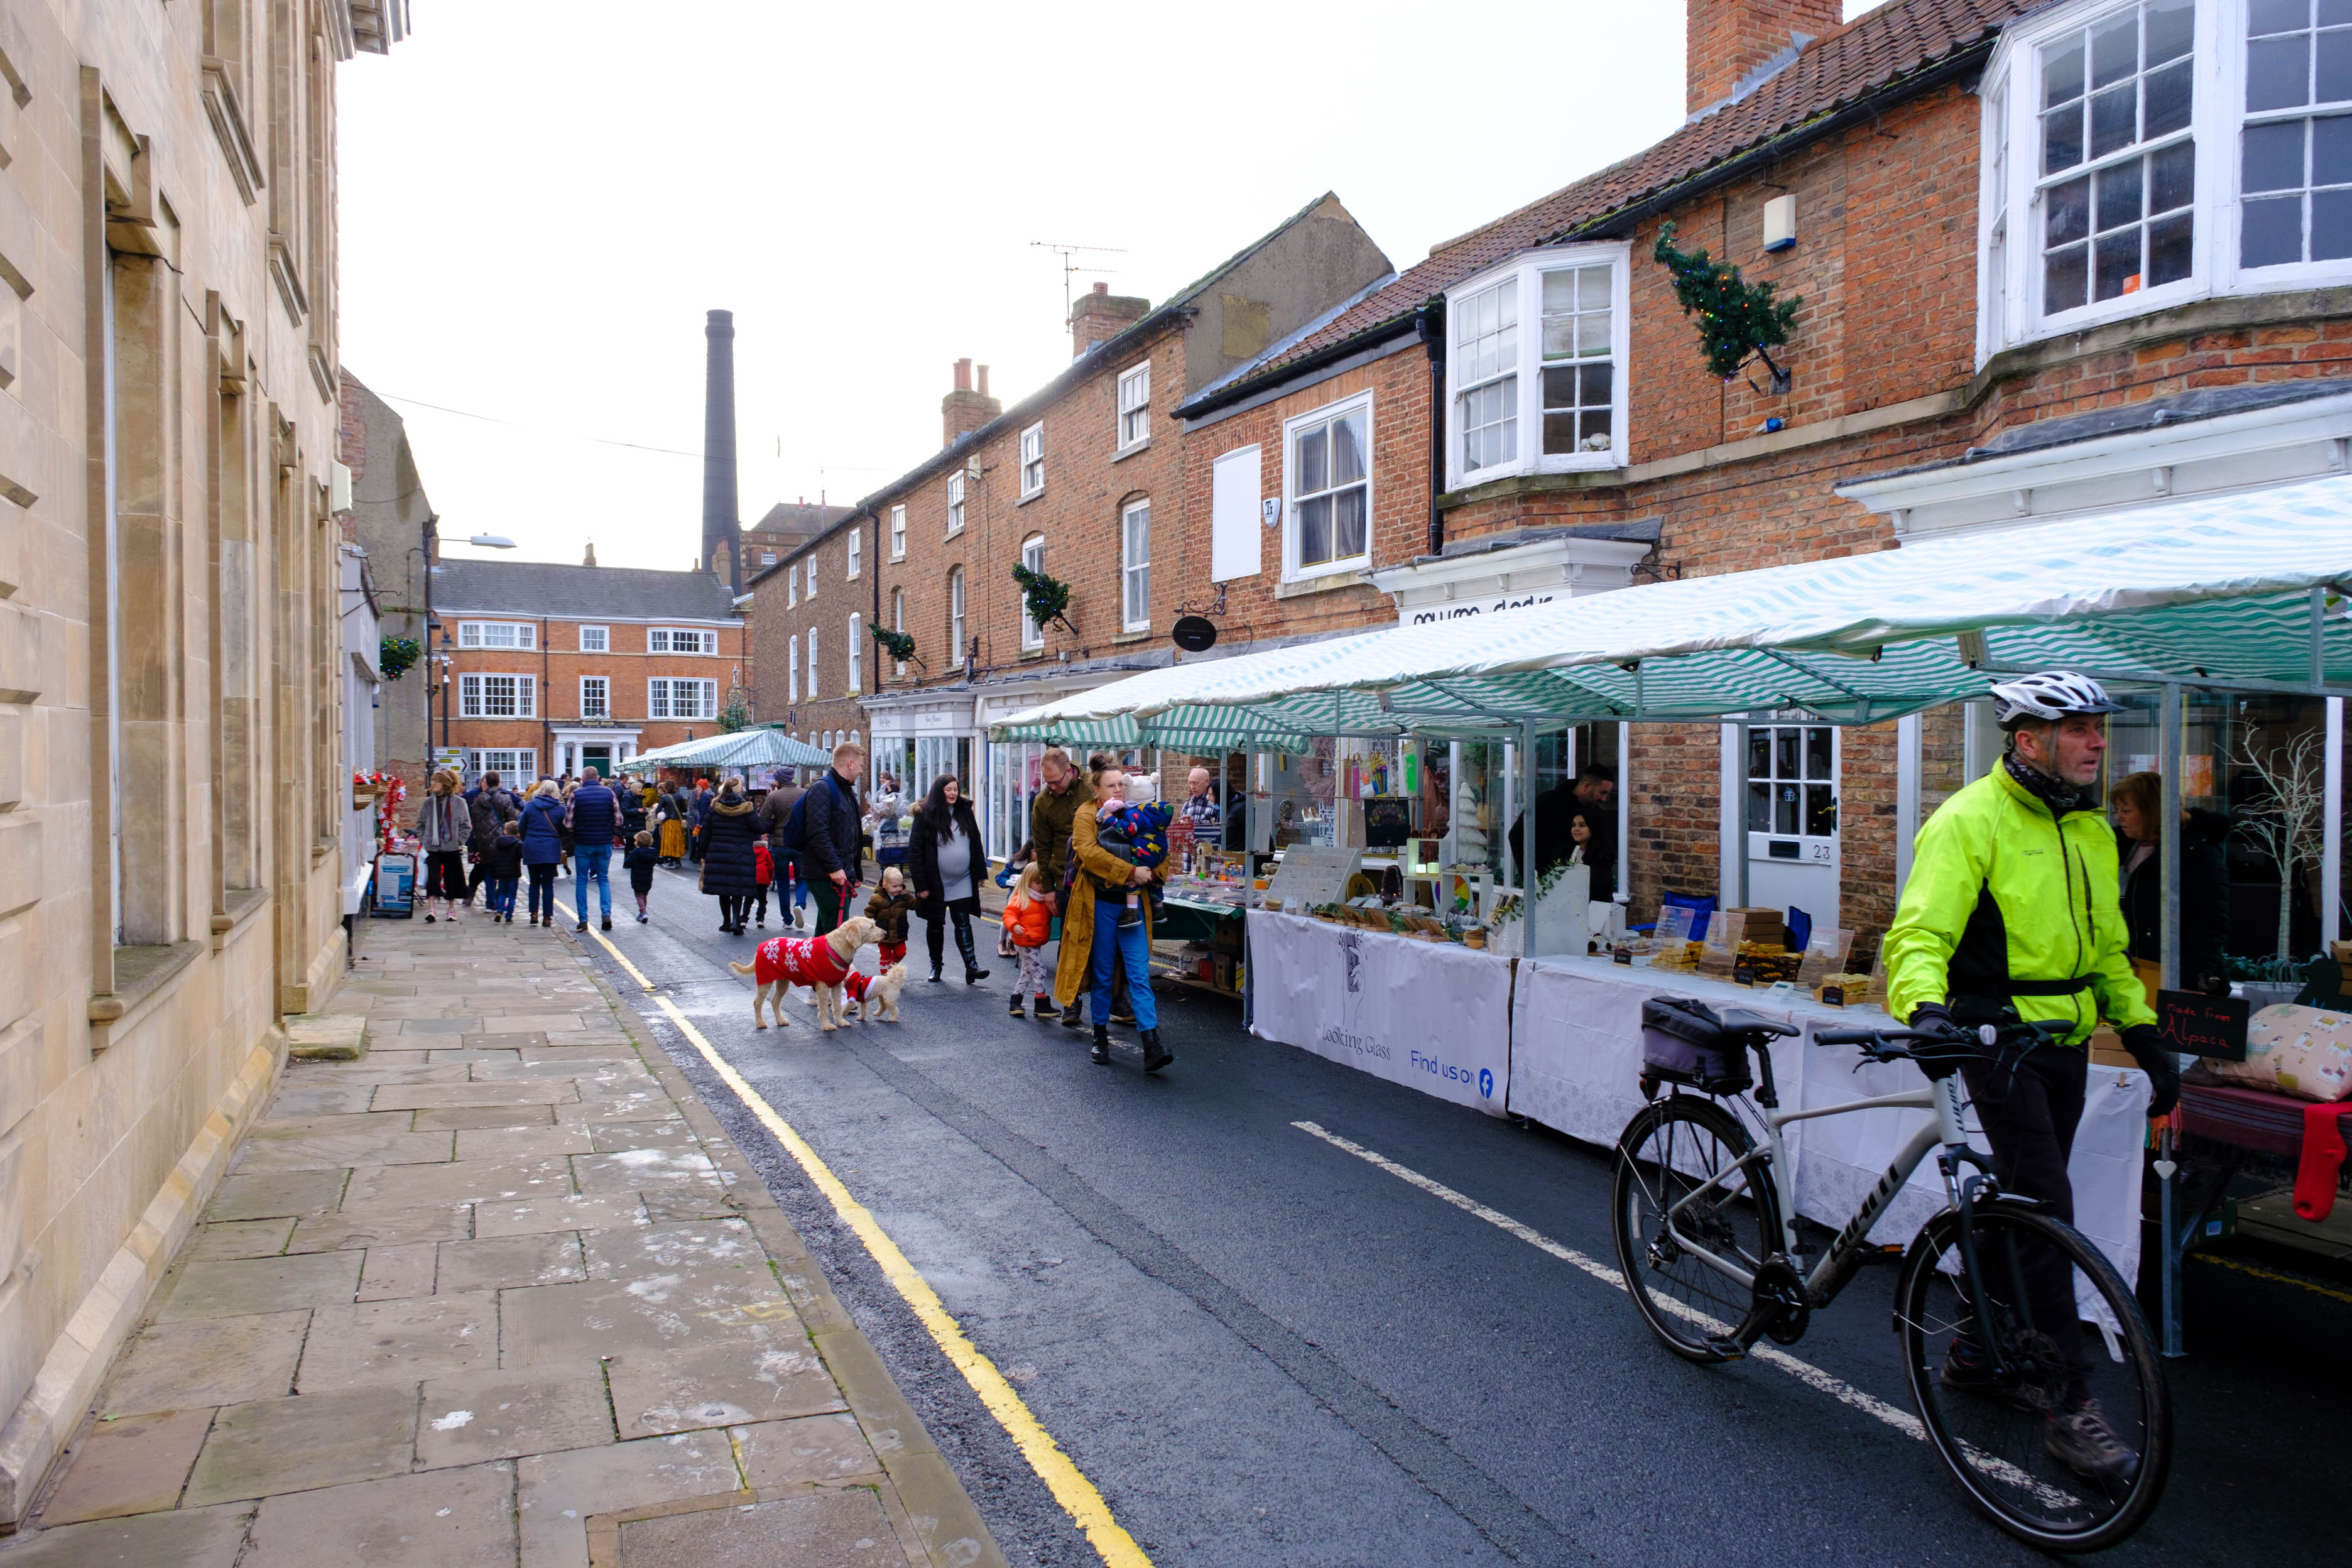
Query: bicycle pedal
[{"x": 1727, "y": 1347}]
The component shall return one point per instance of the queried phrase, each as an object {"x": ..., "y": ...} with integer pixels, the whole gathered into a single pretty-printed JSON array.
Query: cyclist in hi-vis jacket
[{"x": 2011, "y": 912}]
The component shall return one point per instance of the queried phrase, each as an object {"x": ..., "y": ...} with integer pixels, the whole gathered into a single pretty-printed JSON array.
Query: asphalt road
[{"x": 1263, "y": 1349}]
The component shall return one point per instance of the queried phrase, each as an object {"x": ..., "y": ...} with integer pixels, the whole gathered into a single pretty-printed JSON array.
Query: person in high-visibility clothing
[{"x": 2011, "y": 912}]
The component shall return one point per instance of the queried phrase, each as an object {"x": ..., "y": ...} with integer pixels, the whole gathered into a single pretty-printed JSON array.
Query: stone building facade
[
  {"x": 1540, "y": 420},
  {"x": 540, "y": 670},
  {"x": 172, "y": 797},
  {"x": 391, "y": 521}
]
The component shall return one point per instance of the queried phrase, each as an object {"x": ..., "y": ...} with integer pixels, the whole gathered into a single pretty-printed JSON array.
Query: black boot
[
  {"x": 1046, "y": 1008},
  {"x": 1100, "y": 1054},
  {"x": 1155, "y": 1055},
  {"x": 1016, "y": 1006},
  {"x": 1074, "y": 1017},
  {"x": 972, "y": 973}
]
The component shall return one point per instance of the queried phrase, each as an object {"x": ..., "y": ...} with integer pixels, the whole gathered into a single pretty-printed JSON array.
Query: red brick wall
[{"x": 781, "y": 610}]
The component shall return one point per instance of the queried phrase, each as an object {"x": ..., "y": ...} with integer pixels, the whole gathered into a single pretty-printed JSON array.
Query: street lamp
[
  {"x": 492, "y": 542},
  {"x": 444, "y": 687}
]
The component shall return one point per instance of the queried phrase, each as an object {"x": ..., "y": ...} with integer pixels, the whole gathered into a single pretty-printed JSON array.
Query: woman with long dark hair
[
  {"x": 730, "y": 869},
  {"x": 947, "y": 864}
]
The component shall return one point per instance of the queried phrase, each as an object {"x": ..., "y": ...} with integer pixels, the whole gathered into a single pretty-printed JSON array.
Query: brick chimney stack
[
  {"x": 1728, "y": 41},
  {"x": 1103, "y": 314},
  {"x": 963, "y": 411}
]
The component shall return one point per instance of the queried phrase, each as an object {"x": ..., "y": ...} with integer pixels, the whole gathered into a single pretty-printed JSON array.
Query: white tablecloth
[
  {"x": 1434, "y": 1016},
  {"x": 1576, "y": 1065}
]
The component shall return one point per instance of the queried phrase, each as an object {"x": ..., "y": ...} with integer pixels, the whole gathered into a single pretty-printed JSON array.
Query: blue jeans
[
  {"x": 502, "y": 892},
  {"x": 592, "y": 860},
  {"x": 1115, "y": 945},
  {"x": 542, "y": 889}
]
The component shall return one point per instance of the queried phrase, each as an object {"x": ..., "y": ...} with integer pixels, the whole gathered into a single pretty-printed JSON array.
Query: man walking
[
  {"x": 595, "y": 817},
  {"x": 791, "y": 877},
  {"x": 1051, "y": 815},
  {"x": 491, "y": 809},
  {"x": 829, "y": 845}
]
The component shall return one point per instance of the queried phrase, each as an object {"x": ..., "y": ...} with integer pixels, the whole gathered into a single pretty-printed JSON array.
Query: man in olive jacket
[{"x": 1066, "y": 793}]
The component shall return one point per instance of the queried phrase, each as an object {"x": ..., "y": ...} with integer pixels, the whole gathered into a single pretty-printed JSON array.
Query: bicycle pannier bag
[{"x": 1684, "y": 1042}]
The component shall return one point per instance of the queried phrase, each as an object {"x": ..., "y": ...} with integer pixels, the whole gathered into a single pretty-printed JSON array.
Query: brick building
[
  {"x": 1986, "y": 337},
  {"x": 787, "y": 526},
  {"x": 541, "y": 669},
  {"x": 808, "y": 619},
  {"x": 1083, "y": 479}
]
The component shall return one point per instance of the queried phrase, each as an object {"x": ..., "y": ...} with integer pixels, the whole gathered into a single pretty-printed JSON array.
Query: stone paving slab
[{"x": 496, "y": 1293}]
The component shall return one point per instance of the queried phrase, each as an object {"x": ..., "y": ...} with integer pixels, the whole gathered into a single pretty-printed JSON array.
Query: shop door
[
  {"x": 1792, "y": 819},
  {"x": 597, "y": 757}
]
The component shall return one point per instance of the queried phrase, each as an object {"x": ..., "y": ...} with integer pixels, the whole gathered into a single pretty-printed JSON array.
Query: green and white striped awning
[
  {"x": 760, "y": 748},
  {"x": 2215, "y": 591}
]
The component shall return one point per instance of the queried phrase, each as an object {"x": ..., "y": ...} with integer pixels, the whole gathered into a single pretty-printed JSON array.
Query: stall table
[
  {"x": 1432, "y": 1016},
  {"x": 1575, "y": 1066},
  {"x": 1218, "y": 926}
]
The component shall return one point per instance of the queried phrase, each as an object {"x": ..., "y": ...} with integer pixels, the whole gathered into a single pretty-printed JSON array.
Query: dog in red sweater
[{"x": 827, "y": 964}]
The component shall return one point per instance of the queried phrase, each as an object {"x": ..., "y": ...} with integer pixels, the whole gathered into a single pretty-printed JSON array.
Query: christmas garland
[
  {"x": 1044, "y": 598},
  {"x": 1735, "y": 319},
  {"x": 396, "y": 656},
  {"x": 900, "y": 646}
]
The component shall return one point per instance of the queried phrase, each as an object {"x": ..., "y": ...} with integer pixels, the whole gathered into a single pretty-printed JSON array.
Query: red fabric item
[
  {"x": 800, "y": 960},
  {"x": 891, "y": 952},
  {"x": 2323, "y": 1156},
  {"x": 763, "y": 865}
]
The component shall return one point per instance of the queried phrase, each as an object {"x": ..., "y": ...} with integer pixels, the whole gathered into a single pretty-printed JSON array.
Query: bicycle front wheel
[
  {"x": 1675, "y": 1147},
  {"x": 2002, "y": 1384}
]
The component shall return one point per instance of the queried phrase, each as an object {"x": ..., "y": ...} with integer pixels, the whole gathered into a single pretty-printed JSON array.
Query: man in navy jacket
[
  {"x": 596, "y": 817},
  {"x": 831, "y": 818}
]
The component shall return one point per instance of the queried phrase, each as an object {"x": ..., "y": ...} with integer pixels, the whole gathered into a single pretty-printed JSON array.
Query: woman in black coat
[
  {"x": 948, "y": 863},
  {"x": 2139, "y": 804},
  {"x": 729, "y": 871}
]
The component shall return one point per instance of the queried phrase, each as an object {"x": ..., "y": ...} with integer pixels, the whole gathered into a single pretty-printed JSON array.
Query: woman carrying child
[{"x": 1110, "y": 902}]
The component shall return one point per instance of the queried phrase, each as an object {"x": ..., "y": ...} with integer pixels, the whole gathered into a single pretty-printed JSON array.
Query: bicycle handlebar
[{"x": 1958, "y": 1042}]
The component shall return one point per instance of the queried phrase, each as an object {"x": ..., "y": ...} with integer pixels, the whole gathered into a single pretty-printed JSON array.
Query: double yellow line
[{"x": 1069, "y": 1485}]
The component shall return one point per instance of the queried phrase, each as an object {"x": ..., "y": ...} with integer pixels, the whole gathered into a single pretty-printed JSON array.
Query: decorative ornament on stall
[
  {"x": 1044, "y": 599},
  {"x": 1735, "y": 319}
]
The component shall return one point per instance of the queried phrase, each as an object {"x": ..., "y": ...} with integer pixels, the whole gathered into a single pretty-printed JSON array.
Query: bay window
[
  {"x": 1547, "y": 400},
  {"x": 2145, "y": 154}
]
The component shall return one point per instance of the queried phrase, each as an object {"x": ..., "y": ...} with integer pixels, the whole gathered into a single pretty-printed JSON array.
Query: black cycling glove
[
  {"x": 2147, "y": 1047},
  {"x": 1933, "y": 1015}
]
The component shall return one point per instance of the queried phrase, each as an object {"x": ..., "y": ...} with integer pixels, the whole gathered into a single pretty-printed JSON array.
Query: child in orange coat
[{"x": 1029, "y": 922}]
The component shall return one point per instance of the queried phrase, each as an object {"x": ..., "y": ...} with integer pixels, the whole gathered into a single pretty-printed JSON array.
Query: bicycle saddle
[{"x": 1739, "y": 1021}]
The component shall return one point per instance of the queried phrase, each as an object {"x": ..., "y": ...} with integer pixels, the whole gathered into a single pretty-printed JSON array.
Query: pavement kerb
[{"x": 935, "y": 1499}]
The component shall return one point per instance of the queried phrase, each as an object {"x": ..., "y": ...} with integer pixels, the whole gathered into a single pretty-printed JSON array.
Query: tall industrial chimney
[{"x": 722, "y": 541}]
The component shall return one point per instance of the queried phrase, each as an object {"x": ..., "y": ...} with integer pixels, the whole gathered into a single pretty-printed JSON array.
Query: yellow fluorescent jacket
[{"x": 2001, "y": 891}]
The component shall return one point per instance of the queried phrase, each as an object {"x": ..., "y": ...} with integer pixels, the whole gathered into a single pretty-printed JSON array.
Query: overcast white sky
[{"x": 540, "y": 203}]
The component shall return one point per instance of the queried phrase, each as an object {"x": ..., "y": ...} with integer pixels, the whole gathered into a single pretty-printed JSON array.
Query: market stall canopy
[
  {"x": 760, "y": 748},
  {"x": 2237, "y": 591}
]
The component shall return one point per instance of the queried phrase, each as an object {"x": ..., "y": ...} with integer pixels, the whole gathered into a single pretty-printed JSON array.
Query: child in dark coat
[
  {"x": 641, "y": 859},
  {"x": 888, "y": 907},
  {"x": 502, "y": 868}
]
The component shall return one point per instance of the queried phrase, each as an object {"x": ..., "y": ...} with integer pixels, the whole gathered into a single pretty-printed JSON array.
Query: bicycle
[{"x": 1706, "y": 1239}]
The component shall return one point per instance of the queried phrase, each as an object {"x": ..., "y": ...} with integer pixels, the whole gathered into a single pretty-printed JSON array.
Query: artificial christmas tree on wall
[{"x": 1735, "y": 319}]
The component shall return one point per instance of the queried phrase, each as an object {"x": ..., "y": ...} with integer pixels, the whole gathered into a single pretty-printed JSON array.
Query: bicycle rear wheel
[
  {"x": 1995, "y": 1434},
  {"x": 1667, "y": 1153}
]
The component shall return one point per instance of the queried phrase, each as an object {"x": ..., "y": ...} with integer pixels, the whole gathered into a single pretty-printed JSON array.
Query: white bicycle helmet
[{"x": 2050, "y": 695}]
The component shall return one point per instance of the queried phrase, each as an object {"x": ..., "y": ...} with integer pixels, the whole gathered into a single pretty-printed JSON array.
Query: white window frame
[
  {"x": 1032, "y": 556},
  {"x": 1292, "y": 571},
  {"x": 2010, "y": 217},
  {"x": 1129, "y": 566},
  {"x": 473, "y": 695},
  {"x": 810, "y": 594},
  {"x": 955, "y": 503},
  {"x": 602, "y": 690},
  {"x": 854, "y": 549},
  {"x": 955, "y": 617},
  {"x": 515, "y": 765},
  {"x": 523, "y": 635},
  {"x": 595, "y": 639},
  {"x": 665, "y": 639},
  {"x": 899, "y": 623},
  {"x": 1033, "y": 460},
  {"x": 812, "y": 664},
  {"x": 767, "y": 558},
  {"x": 856, "y": 664},
  {"x": 1133, "y": 427},
  {"x": 897, "y": 533},
  {"x": 663, "y": 691},
  {"x": 793, "y": 661},
  {"x": 791, "y": 585},
  {"x": 1524, "y": 272}
]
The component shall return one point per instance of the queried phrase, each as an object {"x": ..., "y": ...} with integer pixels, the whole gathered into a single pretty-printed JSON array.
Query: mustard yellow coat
[{"x": 1070, "y": 971}]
